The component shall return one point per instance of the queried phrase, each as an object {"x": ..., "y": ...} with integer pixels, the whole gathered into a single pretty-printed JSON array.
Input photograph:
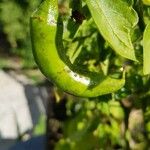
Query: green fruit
[
  {"x": 116, "y": 110},
  {"x": 48, "y": 50}
]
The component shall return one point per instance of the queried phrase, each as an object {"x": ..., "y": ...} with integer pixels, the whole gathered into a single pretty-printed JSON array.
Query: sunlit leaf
[
  {"x": 146, "y": 2},
  {"x": 115, "y": 20},
  {"x": 146, "y": 46}
]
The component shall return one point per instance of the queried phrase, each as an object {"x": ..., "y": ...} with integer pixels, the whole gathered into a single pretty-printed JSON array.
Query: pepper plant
[{"x": 98, "y": 51}]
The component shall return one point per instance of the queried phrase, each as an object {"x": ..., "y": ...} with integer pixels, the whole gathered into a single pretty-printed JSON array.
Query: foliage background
[{"x": 14, "y": 29}]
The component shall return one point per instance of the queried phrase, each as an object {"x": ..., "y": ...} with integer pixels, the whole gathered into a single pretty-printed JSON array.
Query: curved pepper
[{"x": 49, "y": 54}]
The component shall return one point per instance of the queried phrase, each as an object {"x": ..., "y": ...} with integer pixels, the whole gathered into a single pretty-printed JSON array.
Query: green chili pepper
[{"x": 48, "y": 50}]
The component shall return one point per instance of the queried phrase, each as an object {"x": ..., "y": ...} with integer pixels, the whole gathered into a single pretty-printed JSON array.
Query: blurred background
[{"x": 23, "y": 89}]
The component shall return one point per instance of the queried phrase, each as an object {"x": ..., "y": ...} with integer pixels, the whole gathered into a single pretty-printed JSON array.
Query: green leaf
[
  {"x": 115, "y": 20},
  {"x": 146, "y": 2},
  {"x": 146, "y": 46}
]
